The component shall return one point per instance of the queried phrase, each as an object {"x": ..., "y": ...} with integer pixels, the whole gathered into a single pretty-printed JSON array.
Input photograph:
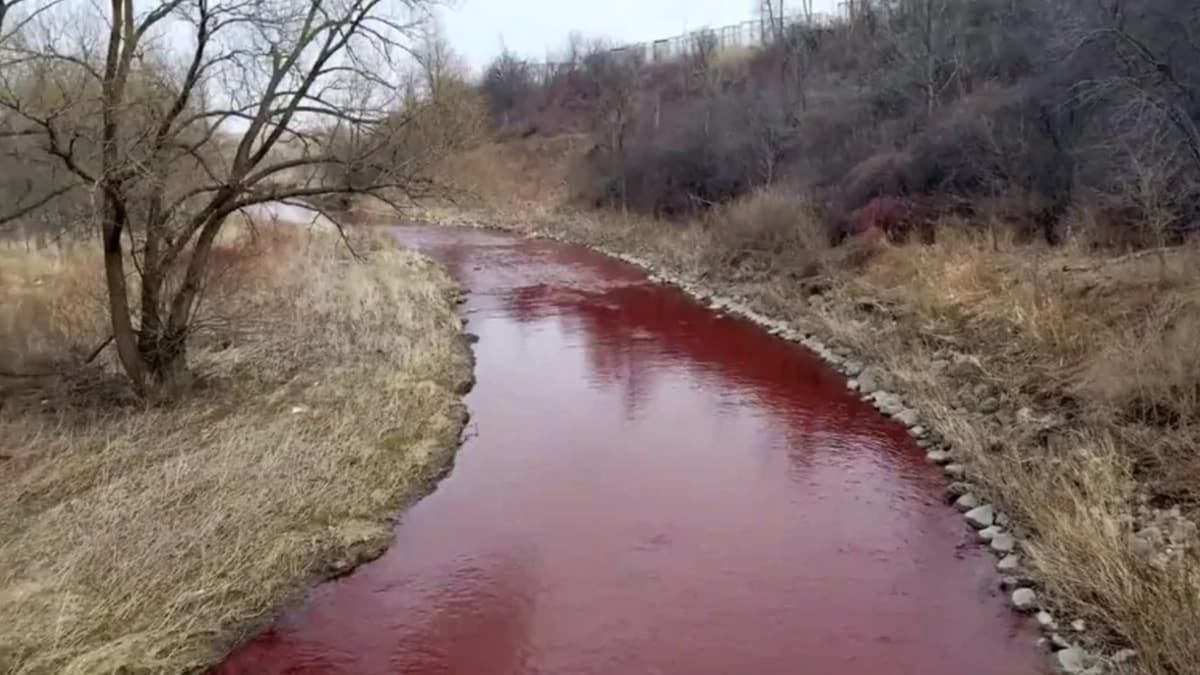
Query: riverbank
[
  {"x": 155, "y": 539},
  {"x": 1064, "y": 384}
]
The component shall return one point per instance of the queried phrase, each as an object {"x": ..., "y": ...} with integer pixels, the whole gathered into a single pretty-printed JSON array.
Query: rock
[
  {"x": 955, "y": 470},
  {"x": 1010, "y": 582},
  {"x": 938, "y": 457},
  {"x": 1003, "y": 543},
  {"x": 1058, "y": 642},
  {"x": 1009, "y": 563},
  {"x": 988, "y": 533},
  {"x": 1002, "y": 519},
  {"x": 1024, "y": 599},
  {"x": 853, "y": 368},
  {"x": 1045, "y": 620},
  {"x": 887, "y": 402},
  {"x": 982, "y": 516},
  {"x": 1182, "y": 530},
  {"x": 908, "y": 417},
  {"x": 1124, "y": 656},
  {"x": 852, "y": 385},
  {"x": 967, "y": 502},
  {"x": 917, "y": 431},
  {"x": 924, "y": 443},
  {"x": 1071, "y": 660},
  {"x": 957, "y": 489},
  {"x": 1078, "y": 625},
  {"x": 868, "y": 380}
]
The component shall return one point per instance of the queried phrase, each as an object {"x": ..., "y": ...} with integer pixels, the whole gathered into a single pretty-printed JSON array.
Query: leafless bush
[{"x": 767, "y": 231}]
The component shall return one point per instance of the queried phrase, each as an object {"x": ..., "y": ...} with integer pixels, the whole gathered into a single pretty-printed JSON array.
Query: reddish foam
[{"x": 648, "y": 487}]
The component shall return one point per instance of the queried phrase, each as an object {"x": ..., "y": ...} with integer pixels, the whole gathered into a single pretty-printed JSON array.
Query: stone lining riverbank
[{"x": 1068, "y": 641}]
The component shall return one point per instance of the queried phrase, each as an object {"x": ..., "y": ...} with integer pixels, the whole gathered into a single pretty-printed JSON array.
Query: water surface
[{"x": 648, "y": 487}]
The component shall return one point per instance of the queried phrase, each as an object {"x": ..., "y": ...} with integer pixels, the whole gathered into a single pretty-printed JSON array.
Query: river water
[{"x": 648, "y": 487}]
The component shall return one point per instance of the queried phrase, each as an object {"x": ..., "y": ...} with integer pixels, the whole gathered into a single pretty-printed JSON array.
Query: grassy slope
[
  {"x": 152, "y": 540},
  {"x": 1069, "y": 384}
]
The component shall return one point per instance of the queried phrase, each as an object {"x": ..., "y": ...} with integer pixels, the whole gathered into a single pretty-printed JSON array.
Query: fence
[{"x": 747, "y": 34}]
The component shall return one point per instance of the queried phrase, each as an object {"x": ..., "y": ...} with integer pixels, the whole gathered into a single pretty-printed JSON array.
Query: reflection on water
[
  {"x": 653, "y": 488},
  {"x": 294, "y": 213}
]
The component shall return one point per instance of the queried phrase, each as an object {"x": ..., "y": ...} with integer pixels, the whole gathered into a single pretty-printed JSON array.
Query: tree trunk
[
  {"x": 169, "y": 373},
  {"x": 118, "y": 296}
]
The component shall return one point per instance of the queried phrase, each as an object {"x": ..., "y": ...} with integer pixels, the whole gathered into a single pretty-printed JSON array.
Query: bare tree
[
  {"x": 507, "y": 83},
  {"x": 614, "y": 77},
  {"x": 170, "y": 145}
]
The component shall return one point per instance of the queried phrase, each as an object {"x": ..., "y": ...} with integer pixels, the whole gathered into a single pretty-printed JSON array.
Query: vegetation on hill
[{"x": 1052, "y": 118}]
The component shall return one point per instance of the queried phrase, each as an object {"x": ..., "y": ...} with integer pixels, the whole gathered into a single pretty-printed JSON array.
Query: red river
[{"x": 650, "y": 488}]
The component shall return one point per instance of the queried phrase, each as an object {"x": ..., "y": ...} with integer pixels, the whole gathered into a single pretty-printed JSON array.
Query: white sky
[{"x": 478, "y": 29}]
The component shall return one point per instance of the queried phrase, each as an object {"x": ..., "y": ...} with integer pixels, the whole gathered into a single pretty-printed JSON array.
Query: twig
[
  {"x": 58, "y": 371},
  {"x": 1114, "y": 261}
]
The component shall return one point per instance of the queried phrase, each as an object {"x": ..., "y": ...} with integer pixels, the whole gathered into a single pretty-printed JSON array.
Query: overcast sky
[{"x": 479, "y": 28}]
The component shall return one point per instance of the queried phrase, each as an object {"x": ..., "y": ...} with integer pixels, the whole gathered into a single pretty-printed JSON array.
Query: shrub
[{"x": 767, "y": 231}]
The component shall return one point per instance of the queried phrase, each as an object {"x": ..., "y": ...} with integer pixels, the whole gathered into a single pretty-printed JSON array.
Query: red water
[{"x": 650, "y": 488}]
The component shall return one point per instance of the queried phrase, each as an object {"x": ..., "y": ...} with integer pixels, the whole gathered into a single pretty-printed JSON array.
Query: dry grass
[
  {"x": 154, "y": 539},
  {"x": 1092, "y": 364}
]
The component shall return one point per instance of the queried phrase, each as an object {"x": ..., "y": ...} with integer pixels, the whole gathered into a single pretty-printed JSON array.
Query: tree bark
[{"x": 118, "y": 296}]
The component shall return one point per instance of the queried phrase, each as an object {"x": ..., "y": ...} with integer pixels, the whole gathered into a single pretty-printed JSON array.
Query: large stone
[
  {"x": 1146, "y": 542},
  {"x": 1003, "y": 543},
  {"x": 1046, "y": 620},
  {"x": 982, "y": 516},
  {"x": 908, "y": 417},
  {"x": 956, "y": 490},
  {"x": 1124, "y": 655},
  {"x": 967, "y": 502},
  {"x": 887, "y": 402},
  {"x": 988, "y": 533},
  {"x": 1024, "y": 600},
  {"x": 955, "y": 470},
  {"x": 1009, "y": 563},
  {"x": 939, "y": 457},
  {"x": 1071, "y": 660},
  {"x": 869, "y": 380},
  {"x": 854, "y": 368}
]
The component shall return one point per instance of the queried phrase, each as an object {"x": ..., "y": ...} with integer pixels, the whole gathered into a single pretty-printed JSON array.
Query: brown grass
[
  {"x": 1093, "y": 365},
  {"x": 154, "y": 539}
]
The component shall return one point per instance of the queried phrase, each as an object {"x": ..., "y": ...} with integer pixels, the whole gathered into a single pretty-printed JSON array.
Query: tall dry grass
[
  {"x": 1095, "y": 369},
  {"x": 151, "y": 539}
]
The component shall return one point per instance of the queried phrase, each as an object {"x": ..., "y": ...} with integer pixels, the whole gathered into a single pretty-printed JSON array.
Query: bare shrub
[{"x": 765, "y": 232}]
